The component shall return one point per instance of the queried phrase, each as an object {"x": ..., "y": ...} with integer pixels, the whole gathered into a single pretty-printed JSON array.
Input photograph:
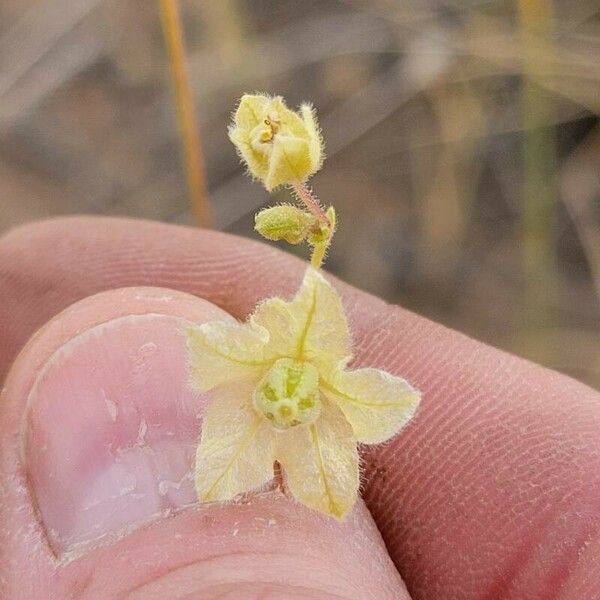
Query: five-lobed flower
[
  {"x": 278, "y": 145},
  {"x": 282, "y": 391}
]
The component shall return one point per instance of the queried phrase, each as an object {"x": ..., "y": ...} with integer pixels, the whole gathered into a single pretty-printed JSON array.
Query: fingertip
[
  {"x": 98, "y": 429},
  {"x": 58, "y": 421}
]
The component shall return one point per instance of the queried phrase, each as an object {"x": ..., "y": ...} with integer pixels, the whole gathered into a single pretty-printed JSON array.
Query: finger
[
  {"x": 490, "y": 492},
  {"x": 98, "y": 429}
]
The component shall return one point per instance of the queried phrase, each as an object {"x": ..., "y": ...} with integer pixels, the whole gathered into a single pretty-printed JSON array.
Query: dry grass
[{"x": 463, "y": 141}]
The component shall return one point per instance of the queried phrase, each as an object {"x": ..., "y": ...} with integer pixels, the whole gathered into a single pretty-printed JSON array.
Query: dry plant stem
[
  {"x": 539, "y": 165},
  {"x": 192, "y": 149}
]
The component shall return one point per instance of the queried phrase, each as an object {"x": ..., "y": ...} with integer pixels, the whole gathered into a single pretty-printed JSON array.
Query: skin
[{"x": 493, "y": 491}]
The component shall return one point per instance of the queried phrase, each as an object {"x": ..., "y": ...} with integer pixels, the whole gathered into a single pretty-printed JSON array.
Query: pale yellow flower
[
  {"x": 282, "y": 392},
  {"x": 278, "y": 145}
]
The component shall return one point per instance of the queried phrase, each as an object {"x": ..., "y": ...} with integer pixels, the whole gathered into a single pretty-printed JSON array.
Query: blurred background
[{"x": 463, "y": 142}]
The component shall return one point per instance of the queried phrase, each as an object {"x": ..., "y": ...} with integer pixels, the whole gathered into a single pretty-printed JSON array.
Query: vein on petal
[
  {"x": 252, "y": 432},
  {"x": 256, "y": 117},
  {"x": 315, "y": 440},
  {"x": 249, "y": 363},
  {"x": 309, "y": 319},
  {"x": 330, "y": 388},
  {"x": 290, "y": 164}
]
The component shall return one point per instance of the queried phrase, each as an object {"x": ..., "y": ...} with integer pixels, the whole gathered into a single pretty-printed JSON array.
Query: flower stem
[
  {"x": 192, "y": 149},
  {"x": 324, "y": 232},
  {"x": 308, "y": 198},
  {"x": 318, "y": 254}
]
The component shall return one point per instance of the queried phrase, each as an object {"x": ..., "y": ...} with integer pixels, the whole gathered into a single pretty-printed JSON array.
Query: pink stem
[{"x": 311, "y": 202}]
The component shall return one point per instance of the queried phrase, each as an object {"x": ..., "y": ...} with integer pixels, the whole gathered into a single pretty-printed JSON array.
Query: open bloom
[
  {"x": 278, "y": 145},
  {"x": 282, "y": 392}
]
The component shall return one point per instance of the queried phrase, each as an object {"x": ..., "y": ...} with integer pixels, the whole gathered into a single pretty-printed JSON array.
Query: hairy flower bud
[
  {"x": 284, "y": 222},
  {"x": 278, "y": 145}
]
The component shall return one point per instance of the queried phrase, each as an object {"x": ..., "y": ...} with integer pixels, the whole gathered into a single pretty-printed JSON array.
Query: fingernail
[{"x": 111, "y": 430}]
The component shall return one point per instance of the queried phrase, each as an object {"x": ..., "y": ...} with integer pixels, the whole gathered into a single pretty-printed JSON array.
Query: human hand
[{"x": 491, "y": 492}]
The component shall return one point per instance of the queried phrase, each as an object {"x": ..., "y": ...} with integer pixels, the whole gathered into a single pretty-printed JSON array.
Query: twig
[
  {"x": 192, "y": 149},
  {"x": 539, "y": 156}
]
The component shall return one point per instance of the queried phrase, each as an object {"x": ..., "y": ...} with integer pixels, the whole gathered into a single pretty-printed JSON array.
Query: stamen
[{"x": 289, "y": 394}]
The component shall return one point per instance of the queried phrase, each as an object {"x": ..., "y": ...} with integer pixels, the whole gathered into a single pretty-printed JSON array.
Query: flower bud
[
  {"x": 278, "y": 145},
  {"x": 284, "y": 222}
]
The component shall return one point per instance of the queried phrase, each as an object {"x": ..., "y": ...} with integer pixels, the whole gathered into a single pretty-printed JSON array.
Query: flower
[
  {"x": 282, "y": 392},
  {"x": 278, "y": 145}
]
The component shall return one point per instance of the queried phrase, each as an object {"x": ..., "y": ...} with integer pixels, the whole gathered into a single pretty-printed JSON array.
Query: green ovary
[{"x": 288, "y": 395}]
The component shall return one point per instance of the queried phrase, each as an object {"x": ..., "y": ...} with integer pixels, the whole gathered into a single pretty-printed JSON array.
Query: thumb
[{"x": 98, "y": 430}]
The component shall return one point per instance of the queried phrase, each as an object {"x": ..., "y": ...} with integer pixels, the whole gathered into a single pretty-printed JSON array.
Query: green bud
[{"x": 284, "y": 222}]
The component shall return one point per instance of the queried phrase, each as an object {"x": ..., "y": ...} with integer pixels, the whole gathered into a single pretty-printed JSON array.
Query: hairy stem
[
  {"x": 318, "y": 254},
  {"x": 307, "y": 197}
]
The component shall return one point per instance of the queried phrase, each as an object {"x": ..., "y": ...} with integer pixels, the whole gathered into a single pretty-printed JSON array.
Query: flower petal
[
  {"x": 315, "y": 139},
  {"x": 289, "y": 161},
  {"x": 320, "y": 462},
  {"x": 290, "y": 122},
  {"x": 235, "y": 454},
  {"x": 221, "y": 351},
  {"x": 251, "y": 111},
  {"x": 376, "y": 404},
  {"x": 257, "y": 162},
  {"x": 311, "y": 327}
]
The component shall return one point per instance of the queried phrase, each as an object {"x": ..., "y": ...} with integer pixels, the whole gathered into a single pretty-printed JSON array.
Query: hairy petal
[
  {"x": 257, "y": 162},
  {"x": 235, "y": 454},
  {"x": 223, "y": 351},
  {"x": 311, "y": 327},
  {"x": 251, "y": 111},
  {"x": 320, "y": 463},
  {"x": 291, "y": 123},
  {"x": 277, "y": 144},
  {"x": 314, "y": 134},
  {"x": 376, "y": 404},
  {"x": 289, "y": 161}
]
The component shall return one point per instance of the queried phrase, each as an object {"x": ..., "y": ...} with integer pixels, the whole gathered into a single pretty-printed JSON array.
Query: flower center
[
  {"x": 264, "y": 132},
  {"x": 288, "y": 395}
]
